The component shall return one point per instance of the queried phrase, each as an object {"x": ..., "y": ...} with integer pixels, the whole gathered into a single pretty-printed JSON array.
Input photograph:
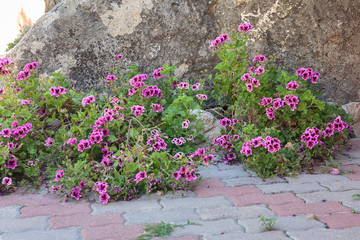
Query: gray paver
[
  {"x": 124, "y": 206},
  {"x": 318, "y": 197},
  {"x": 68, "y": 234},
  {"x": 217, "y": 201},
  {"x": 271, "y": 235},
  {"x": 10, "y": 212},
  {"x": 209, "y": 227},
  {"x": 24, "y": 224},
  {"x": 234, "y": 182},
  {"x": 235, "y": 212},
  {"x": 355, "y": 205},
  {"x": 282, "y": 223},
  {"x": 333, "y": 234},
  {"x": 352, "y": 154},
  {"x": 168, "y": 216},
  {"x": 215, "y": 172},
  {"x": 340, "y": 186},
  {"x": 177, "y": 194},
  {"x": 310, "y": 178},
  {"x": 296, "y": 188}
]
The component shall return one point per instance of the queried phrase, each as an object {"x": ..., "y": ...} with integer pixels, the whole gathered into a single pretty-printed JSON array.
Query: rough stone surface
[
  {"x": 316, "y": 234},
  {"x": 296, "y": 188},
  {"x": 50, "y": 4},
  {"x": 82, "y": 36},
  {"x": 353, "y": 109},
  {"x": 282, "y": 223},
  {"x": 212, "y": 127},
  {"x": 61, "y": 234},
  {"x": 272, "y": 235}
]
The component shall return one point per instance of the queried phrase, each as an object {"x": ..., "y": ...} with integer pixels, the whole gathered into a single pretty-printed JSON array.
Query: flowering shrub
[
  {"x": 116, "y": 143},
  {"x": 275, "y": 107}
]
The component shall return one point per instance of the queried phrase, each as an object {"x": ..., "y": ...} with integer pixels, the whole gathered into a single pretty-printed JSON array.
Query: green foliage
[
  {"x": 242, "y": 100},
  {"x": 267, "y": 223},
  {"x": 161, "y": 230}
]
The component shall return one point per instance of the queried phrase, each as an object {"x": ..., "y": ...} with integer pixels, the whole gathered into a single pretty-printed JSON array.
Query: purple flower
[
  {"x": 157, "y": 73},
  {"x": 335, "y": 171},
  {"x": 245, "y": 27},
  {"x": 59, "y": 175},
  {"x": 75, "y": 193},
  {"x": 101, "y": 187},
  {"x": 49, "y": 142},
  {"x": 6, "y": 181},
  {"x": 119, "y": 57},
  {"x": 104, "y": 197},
  {"x": 140, "y": 176}
]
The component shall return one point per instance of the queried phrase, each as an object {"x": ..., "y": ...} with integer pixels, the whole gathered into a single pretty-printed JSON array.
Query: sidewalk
[{"x": 227, "y": 204}]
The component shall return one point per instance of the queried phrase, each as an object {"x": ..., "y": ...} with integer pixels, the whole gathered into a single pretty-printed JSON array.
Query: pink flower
[
  {"x": 6, "y": 181},
  {"x": 23, "y": 75},
  {"x": 293, "y": 85},
  {"x": 249, "y": 87},
  {"x": 259, "y": 71},
  {"x": 119, "y": 57},
  {"x": 101, "y": 187},
  {"x": 185, "y": 124},
  {"x": 176, "y": 175},
  {"x": 157, "y": 73},
  {"x": 201, "y": 96},
  {"x": 157, "y": 107},
  {"x": 75, "y": 193},
  {"x": 219, "y": 41},
  {"x": 140, "y": 176},
  {"x": 25, "y": 102},
  {"x": 110, "y": 78},
  {"x": 335, "y": 171},
  {"x": 225, "y": 122},
  {"x": 59, "y": 175},
  {"x": 245, "y": 27},
  {"x": 260, "y": 58},
  {"x": 49, "y": 142},
  {"x": 72, "y": 141},
  {"x": 88, "y": 100},
  {"x": 104, "y": 197}
]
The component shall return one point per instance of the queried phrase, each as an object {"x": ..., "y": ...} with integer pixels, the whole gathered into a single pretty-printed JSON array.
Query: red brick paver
[
  {"x": 214, "y": 187},
  {"x": 274, "y": 199},
  {"x": 341, "y": 220},
  {"x": 55, "y": 209},
  {"x": 85, "y": 220},
  {"x": 290, "y": 209},
  {"x": 113, "y": 231},
  {"x": 355, "y": 175}
]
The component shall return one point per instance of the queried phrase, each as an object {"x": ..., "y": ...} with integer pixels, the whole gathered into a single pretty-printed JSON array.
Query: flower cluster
[
  {"x": 225, "y": 122},
  {"x": 201, "y": 96},
  {"x": 101, "y": 188},
  {"x": 179, "y": 141},
  {"x": 293, "y": 85},
  {"x": 195, "y": 87},
  {"x": 71, "y": 141},
  {"x": 337, "y": 125},
  {"x": 310, "y": 137},
  {"x": 185, "y": 124},
  {"x": 140, "y": 176},
  {"x": 110, "y": 78},
  {"x": 17, "y": 132},
  {"x": 49, "y": 142},
  {"x": 157, "y": 143},
  {"x": 183, "y": 85},
  {"x": 157, "y": 107},
  {"x": 12, "y": 162},
  {"x": 157, "y": 73},
  {"x": 59, "y": 175},
  {"x": 75, "y": 193},
  {"x": 24, "y": 102},
  {"x": 178, "y": 155},
  {"x": 245, "y": 27},
  {"x": 219, "y": 41},
  {"x": 252, "y": 82},
  {"x": 308, "y": 73},
  {"x": 137, "y": 110},
  {"x": 54, "y": 91},
  {"x": 151, "y": 91},
  {"x": 291, "y": 101},
  {"x": 22, "y": 75},
  {"x": 269, "y": 143},
  {"x": 259, "y": 58},
  {"x": 4, "y": 62},
  {"x": 185, "y": 173},
  {"x": 224, "y": 141},
  {"x": 137, "y": 81},
  {"x": 83, "y": 144},
  {"x": 88, "y": 100}
]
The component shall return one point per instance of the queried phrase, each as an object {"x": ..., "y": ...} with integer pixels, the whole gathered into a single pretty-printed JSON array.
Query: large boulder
[
  {"x": 50, "y": 4},
  {"x": 81, "y": 37},
  {"x": 353, "y": 109}
]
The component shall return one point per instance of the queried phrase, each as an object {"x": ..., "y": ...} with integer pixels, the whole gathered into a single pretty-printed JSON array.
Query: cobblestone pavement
[{"x": 227, "y": 204}]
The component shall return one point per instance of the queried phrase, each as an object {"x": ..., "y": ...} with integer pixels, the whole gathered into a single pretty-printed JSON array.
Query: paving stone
[
  {"x": 226, "y": 191},
  {"x": 355, "y": 205},
  {"x": 28, "y": 200},
  {"x": 220, "y": 173},
  {"x": 209, "y": 227},
  {"x": 56, "y": 209},
  {"x": 319, "y": 234},
  {"x": 282, "y": 223},
  {"x": 311, "y": 178},
  {"x": 287, "y": 187},
  {"x": 271, "y": 235},
  {"x": 218, "y": 201},
  {"x": 233, "y": 182},
  {"x": 234, "y": 212},
  {"x": 112, "y": 231},
  {"x": 254, "y": 199},
  {"x": 85, "y": 220},
  {"x": 125, "y": 206},
  {"x": 188, "y": 237},
  {"x": 68, "y": 234},
  {"x": 355, "y": 171},
  {"x": 170, "y": 195},
  {"x": 341, "y": 220},
  {"x": 19, "y": 225},
  {"x": 340, "y": 186},
  {"x": 291, "y": 209},
  {"x": 353, "y": 153},
  {"x": 10, "y": 212},
  {"x": 168, "y": 216},
  {"x": 318, "y": 197},
  {"x": 345, "y": 159}
]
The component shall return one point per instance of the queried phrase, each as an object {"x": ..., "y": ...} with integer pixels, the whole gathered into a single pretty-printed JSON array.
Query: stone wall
[{"x": 81, "y": 37}]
